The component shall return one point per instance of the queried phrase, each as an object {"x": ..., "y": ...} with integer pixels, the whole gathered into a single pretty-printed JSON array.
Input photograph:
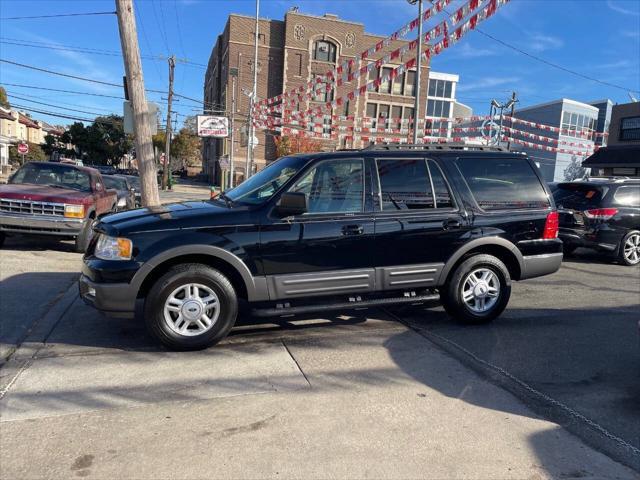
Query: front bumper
[
  {"x": 112, "y": 299},
  {"x": 40, "y": 224},
  {"x": 538, "y": 265}
]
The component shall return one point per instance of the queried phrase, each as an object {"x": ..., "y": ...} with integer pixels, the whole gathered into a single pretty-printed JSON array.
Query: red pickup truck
[{"x": 48, "y": 198}]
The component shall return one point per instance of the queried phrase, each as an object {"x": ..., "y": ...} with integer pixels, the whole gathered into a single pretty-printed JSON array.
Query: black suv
[
  {"x": 602, "y": 214},
  {"x": 384, "y": 225}
]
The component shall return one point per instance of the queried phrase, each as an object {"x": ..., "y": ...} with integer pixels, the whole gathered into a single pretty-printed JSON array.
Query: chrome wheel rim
[
  {"x": 480, "y": 290},
  {"x": 632, "y": 248},
  {"x": 191, "y": 309}
]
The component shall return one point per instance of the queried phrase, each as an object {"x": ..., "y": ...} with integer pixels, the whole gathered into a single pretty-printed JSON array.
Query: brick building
[{"x": 292, "y": 52}]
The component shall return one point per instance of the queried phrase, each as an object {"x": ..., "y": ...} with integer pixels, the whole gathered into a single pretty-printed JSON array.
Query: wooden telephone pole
[
  {"x": 167, "y": 149},
  {"x": 135, "y": 84}
]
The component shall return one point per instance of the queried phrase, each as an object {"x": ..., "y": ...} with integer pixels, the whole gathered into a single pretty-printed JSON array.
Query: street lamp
[{"x": 416, "y": 106}]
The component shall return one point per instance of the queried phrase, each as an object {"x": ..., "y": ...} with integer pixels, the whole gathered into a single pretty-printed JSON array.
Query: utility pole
[
  {"x": 416, "y": 107},
  {"x": 135, "y": 84},
  {"x": 234, "y": 74},
  {"x": 254, "y": 94},
  {"x": 167, "y": 149}
]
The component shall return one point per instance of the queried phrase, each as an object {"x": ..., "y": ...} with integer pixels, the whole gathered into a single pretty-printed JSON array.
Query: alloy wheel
[
  {"x": 191, "y": 309},
  {"x": 632, "y": 249},
  {"x": 480, "y": 290}
]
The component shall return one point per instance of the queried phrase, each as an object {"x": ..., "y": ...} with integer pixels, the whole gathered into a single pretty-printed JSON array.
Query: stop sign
[{"x": 23, "y": 148}]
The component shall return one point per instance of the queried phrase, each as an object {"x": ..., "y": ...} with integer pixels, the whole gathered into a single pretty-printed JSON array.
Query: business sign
[
  {"x": 210, "y": 126},
  {"x": 23, "y": 148}
]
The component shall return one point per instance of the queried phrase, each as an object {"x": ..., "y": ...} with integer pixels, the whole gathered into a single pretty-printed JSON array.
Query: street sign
[
  {"x": 152, "y": 117},
  {"x": 23, "y": 148},
  {"x": 212, "y": 126},
  {"x": 223, "y": 161}
]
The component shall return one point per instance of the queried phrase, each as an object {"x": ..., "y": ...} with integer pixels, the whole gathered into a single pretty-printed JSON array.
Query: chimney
[{"x": 331, "y": 16}]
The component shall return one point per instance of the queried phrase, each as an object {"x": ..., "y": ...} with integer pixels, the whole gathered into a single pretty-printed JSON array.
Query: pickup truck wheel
[
  {"x": 84, "y": 237},
  {"x": 191, "y": 307},
  {"x": 478, "y": 290},
  {"x": 2, "y": 238}
]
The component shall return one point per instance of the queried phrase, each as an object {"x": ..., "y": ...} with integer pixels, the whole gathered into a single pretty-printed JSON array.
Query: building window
[
  {"x": 575, "y": 124},
  {"x": 630, "y": 129},
  {"x": 372, "y": 109},
  {"x": 322, "y": 92},
  {"x": 398, "y": 85},
  {"x": 383, "y": 111},
  {"x": 438, "y": 108},
  {"x": 440, "y": 88},
  {"x": 324, "y": 51},
  {"x": 385, "y": 86},
  {"x": 410, "y": 89},
  {"x": 299, "y": 62},
  {"x": 345, "y": 111}
]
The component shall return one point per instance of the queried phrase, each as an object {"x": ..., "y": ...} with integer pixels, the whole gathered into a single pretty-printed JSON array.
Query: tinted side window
[
  {"x": 443, "y": 195},
  {"x": 333, "y": 186},
  {"x": 503, "y": 183},
  {"x": 405, "y": 184},
  {"x": 628, "y": 196}
]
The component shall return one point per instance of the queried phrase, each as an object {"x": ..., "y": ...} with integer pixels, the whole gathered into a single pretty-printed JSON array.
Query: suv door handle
[
  {"x": 451, "y": 224},
  {"x": 352, "y": 230}
]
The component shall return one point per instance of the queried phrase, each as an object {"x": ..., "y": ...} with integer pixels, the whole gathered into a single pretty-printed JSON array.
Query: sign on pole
[
  {"x": 152, "y": 117},
  {"x": 212, "y": 126},
  {"x": 23, "y": 148}
]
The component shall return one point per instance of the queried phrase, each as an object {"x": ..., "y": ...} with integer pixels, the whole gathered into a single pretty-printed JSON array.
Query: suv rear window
[
  {"x": 503, "y": 183},
  {"x": 578, "y": 196}
]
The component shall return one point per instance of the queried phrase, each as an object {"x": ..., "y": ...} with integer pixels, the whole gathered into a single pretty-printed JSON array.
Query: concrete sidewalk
[{"x": 356, "y": 396}]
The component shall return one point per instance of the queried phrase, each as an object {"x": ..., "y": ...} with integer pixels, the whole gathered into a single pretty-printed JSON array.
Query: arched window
[{"x": 324, "y": 51}]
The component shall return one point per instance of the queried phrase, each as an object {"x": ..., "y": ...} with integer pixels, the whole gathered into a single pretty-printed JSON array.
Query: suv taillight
[
  {"x": 551, "y": 226},
  {"x": 601, "y": 213}
]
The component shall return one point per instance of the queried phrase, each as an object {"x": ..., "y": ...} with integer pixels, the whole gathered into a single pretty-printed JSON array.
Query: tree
[
  {"x": 4, "y": 102},
  {"x": 36, "y": 154},
  {"x": 574, "y": 170},
  {"x": 186, "y": 149},
  {"x": 102, "y": 142},
  {"x": 286, "y": 145}
]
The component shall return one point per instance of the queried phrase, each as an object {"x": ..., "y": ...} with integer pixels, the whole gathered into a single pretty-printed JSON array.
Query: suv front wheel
[
  {"x": 191, "y": 307},
  {"x": 478, "y": 290}
]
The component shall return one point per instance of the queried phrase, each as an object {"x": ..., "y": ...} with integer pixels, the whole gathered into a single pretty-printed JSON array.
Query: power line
[
  {"x": 91, "y": 51},
  {"x": 75, "y": 92},
  {"x": 59, "y": 15},
  {"x": 55, "y": 106},
  {"x": 163, "y": 34},
  {"x": 31, "y": 67},
  {"x": 70, "y": 117}
]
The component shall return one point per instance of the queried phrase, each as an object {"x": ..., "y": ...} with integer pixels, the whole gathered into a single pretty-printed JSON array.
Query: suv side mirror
[{"x": 291, "y": 203}]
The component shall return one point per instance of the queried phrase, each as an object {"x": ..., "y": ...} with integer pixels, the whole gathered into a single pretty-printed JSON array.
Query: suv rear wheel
[
  {"x": 478, "y": 290},
  {"x": 630, "y": 249},
  {"x": 191, "y": 307}
]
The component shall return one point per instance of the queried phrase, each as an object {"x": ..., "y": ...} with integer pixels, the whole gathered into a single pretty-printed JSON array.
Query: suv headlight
[
  {"x": 113, "y": 248},
  {"x": 122, "y": 202},
  {"x": 74, "y": 211}
]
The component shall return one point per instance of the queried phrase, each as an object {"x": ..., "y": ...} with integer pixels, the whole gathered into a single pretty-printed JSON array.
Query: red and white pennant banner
[{"x": 342, "y": 69}]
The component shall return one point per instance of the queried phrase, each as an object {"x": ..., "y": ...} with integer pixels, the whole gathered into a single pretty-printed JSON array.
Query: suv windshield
[
  {"x": 263, "y": 185},
  {"x": 53, "y": 175},
  {"x": 578, "y": 196}
]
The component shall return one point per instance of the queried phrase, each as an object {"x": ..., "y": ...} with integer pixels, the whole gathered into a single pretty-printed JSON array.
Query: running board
[{"x": 357, "y": 304}]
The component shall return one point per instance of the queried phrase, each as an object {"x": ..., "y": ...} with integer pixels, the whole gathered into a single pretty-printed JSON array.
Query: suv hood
[
  {"x": 42, "y": 193},
  {"x": 173, "y": 216}
]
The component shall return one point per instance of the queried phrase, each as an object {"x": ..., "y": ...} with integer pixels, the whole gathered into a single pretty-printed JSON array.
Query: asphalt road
[
  {"x": 572, "y": 336},
  {"x": 364, "y": 393}
]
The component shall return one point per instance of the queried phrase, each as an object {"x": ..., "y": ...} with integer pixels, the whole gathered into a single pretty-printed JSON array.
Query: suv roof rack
[{"x": 434, "y": 146}]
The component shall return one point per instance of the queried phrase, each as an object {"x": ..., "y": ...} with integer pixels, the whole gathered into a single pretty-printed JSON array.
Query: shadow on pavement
[{"x": 589, "y": 360}]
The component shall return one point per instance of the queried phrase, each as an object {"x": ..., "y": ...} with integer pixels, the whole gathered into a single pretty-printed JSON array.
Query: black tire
[
  {"x": 84, "y": 237},
  {"x": 622, "y": 257},
  {"x": 2, "y": 239},
  {"x": 451, "y": 292},
  {"x": 568, "y": 249},
  {"x": 180, "y": 275}
]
